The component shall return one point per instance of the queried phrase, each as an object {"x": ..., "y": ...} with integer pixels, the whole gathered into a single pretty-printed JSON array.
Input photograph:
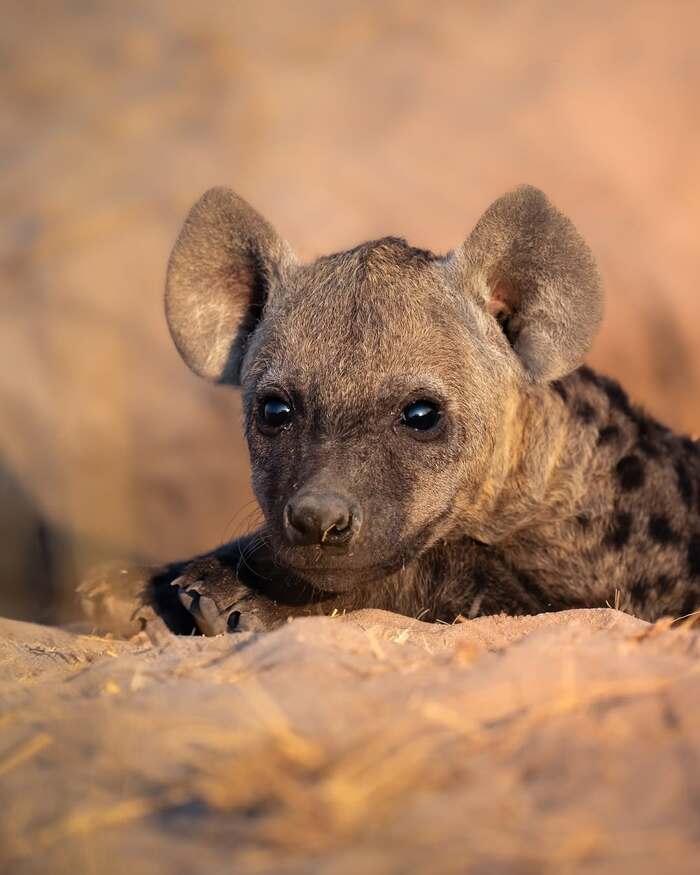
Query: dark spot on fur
[
  {"x": 663, "y": 582},
  {"x": 588, "y": 375},
  {"x": 533, "y": 590},
  {"x": 618, "y": 533},
  {"x": 559, "y": 388},
  {"x": 648, "y": 437},
  {"x": 660, "y": 530},
  {"x": 618, "y": 397},
  {"x": 481, "y": 582},
  {"x": 640, "y": 589},
  {"x": 608, "y": 434},
  {"x": 694, "y": 555},
  {"x": 685, "y": 484},
  {"x": 648, "y": 449},
  {"x": 690, "y": 445},
  {"x": 584, "y": 411},
  {"x": 630, "y": 472},
  {"x": 691, "y": 603},
  {"x": 583, "y": 520}
]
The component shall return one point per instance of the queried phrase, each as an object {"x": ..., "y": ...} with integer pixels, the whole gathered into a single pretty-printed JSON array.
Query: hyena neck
[
  {"x": 633, "y": 460},
  {"x": 633, "y": 530},
  {"x": 579, "y": 448},
  {"x": 540, "y": 467}
]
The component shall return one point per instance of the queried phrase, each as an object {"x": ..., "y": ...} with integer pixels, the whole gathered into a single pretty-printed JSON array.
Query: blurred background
[{"x": 339, "y": 121}]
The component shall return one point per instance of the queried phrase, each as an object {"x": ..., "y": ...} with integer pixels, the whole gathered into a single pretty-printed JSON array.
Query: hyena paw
[
  {"x": 122, "y": 600},
  {"x": 218, "y": 601}
]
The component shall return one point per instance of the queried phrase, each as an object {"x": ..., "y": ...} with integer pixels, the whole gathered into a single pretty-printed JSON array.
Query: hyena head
[{"x": 378, "y": 382}]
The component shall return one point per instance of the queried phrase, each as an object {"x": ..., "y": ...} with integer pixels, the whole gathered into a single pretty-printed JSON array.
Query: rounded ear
[
  {"x": 222, "y": 267},
  {"x": 534, "y": 273}
]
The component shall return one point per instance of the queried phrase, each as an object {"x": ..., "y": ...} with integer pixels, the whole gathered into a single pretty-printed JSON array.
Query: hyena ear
[
  {"x": 534, "y": 273},
  {"x": 224, "y": 263}
]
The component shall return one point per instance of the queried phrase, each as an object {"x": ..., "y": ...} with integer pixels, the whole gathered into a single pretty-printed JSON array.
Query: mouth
[
  {"x": 332, "y": 570},
  {"x": 339, "y": 576},
  {"x": 335, "y": 570}
]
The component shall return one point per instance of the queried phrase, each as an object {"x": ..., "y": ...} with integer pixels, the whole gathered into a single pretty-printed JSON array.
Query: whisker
[
  {"x": 247, "y": 552},
  {"x": 232, "y": 523}
]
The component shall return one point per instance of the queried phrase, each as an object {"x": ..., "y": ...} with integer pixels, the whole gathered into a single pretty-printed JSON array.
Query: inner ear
[
  {"x": 528, "y": 266},
  {"x": 503, "y": 305},
  {"x": 223, "y": 267}
]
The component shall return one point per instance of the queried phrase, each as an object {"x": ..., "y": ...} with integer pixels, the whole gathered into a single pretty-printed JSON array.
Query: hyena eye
[
  {"x": 421, "y": 415},
  {"x": 274, "y": 413}
]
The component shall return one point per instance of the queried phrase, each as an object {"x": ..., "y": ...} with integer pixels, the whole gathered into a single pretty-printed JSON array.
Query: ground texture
[{"x": 368, "y": 743}]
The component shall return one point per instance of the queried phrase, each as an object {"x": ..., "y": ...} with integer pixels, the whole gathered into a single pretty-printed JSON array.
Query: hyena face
[
  {"x": 378, "y": 383},
  {"x": 372, "y": 392}
]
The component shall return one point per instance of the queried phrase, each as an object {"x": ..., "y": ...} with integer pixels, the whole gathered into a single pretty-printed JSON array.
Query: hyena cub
[{"x": 422, "y": 434}]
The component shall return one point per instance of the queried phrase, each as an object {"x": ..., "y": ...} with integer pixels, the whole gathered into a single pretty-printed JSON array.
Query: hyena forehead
[{"x": 379, "y": 312}]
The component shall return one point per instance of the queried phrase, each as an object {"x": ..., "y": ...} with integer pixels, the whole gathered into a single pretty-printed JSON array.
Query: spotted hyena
[{"x": 423, "y": 435}]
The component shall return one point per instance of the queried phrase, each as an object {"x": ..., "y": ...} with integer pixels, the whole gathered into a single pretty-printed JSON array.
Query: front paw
[
  {"x": 124, "y": 600},
  {"x": 218, "y": 601}
]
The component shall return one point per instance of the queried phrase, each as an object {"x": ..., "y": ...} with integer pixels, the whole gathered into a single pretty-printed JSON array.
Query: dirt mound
[{"x": 368, "y": 743}]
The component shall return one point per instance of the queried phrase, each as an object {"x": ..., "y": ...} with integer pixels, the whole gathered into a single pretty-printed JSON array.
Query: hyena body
[{"x": 423, "y": 436}]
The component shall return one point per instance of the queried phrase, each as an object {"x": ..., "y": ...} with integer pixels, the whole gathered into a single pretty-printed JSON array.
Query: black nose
[{"x": 326, "y": 518}]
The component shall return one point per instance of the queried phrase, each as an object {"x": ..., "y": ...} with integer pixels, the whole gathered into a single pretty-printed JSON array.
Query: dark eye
[
  {"x": 274, "y": 412},
  {"x": 421, "y": 415}
]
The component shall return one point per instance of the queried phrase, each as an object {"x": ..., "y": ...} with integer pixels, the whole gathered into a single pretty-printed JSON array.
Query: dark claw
[
  {"x": 218, "y": 603},
  {"x": 209, "y": 618}
]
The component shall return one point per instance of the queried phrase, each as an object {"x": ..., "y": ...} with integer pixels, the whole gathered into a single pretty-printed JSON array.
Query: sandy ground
[
  {"x": 339, "y": 121},
  {"x": 370, "y": 743}
]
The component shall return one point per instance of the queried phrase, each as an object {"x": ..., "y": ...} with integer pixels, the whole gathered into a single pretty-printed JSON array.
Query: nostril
[
  {"x": 288, "y": 521},
  {"x": 339, "y": 532},
  {"x": 323, "y": 519},
  {"x": 302, "y": 524}
]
